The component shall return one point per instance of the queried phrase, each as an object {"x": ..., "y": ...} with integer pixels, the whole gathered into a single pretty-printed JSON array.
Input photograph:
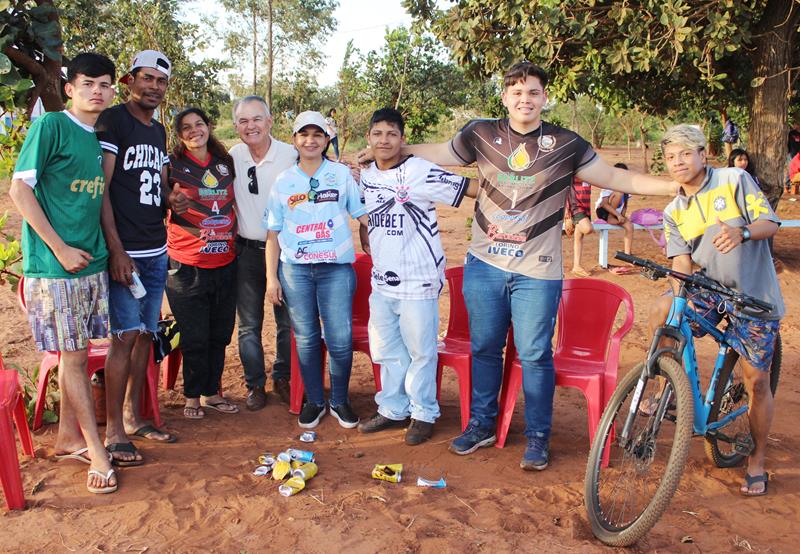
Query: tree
[
  {"x": 413, "y": 74},
  {"x": 295, "y": 31},
  {"x": 352, "y": 107},
  {"x": 654, "y": 54}
]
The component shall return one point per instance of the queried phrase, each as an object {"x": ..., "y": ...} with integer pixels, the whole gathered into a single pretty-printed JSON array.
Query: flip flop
[
  {"x": 223, "y": 407},
  {"x": 75, "y": 455},
  {"x": 190, "y": 412},
  {"x": 106, "y": 478},
  {"x": 148, "y": 431},
  {"x": 751, "y": 480},
  {"x": 581, "y": 273},
  {"x": 123, "y": 447}
]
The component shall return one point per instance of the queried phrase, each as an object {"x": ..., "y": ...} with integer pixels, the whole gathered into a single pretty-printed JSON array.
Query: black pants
[
  {"x": 203, "y": 302},
  {"x": 251, "y": 288}
]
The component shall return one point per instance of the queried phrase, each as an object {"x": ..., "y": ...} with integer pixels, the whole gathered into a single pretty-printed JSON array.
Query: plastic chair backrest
[
  {"x": 586, "y": 318},
  {"x": 458, "y": 323},
  {"x": 363, "y": 268}
]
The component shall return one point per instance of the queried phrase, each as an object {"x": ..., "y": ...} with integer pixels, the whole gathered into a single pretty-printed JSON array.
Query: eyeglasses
[
  {"x": 252, "y": 186},
  {"x": 312, "y": 193}
]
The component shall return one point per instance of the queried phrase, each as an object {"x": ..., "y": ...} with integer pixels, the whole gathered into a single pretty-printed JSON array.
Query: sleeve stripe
[
  {"x": 109, "y": 147},
  {"x": 28, "y": 177}
]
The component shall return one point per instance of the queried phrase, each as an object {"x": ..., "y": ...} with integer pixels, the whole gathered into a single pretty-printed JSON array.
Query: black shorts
[{"x": 602, "y": 213}]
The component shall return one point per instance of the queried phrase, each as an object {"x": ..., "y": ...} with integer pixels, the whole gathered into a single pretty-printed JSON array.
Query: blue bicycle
[{"x": 655, "y": 409}]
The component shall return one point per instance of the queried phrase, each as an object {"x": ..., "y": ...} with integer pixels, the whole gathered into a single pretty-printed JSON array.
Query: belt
[{"x": 260, "y": 244}]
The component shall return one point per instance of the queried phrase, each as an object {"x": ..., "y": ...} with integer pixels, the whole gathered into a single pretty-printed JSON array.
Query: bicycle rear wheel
[
  {"x": 624, "y": 501},
  {"x": 730, "y": 396}
]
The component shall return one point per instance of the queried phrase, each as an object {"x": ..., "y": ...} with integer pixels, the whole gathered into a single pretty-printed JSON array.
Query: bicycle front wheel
[{"x": 624, "y": 500}]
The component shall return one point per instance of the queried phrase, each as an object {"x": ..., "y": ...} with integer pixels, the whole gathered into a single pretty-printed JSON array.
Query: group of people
[{"x": 270, "y": 220}]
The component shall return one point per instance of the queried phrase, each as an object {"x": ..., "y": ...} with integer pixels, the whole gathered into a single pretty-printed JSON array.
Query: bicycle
[{"x": 649, "y": 420}]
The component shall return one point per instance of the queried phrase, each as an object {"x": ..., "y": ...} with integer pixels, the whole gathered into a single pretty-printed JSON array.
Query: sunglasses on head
[
  {"x": 252, "y": 186},
  {"x": 314, "y": 185}
]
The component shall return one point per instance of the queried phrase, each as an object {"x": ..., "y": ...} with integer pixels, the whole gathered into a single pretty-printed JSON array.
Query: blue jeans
[
  {"x": 403, "y": 340},
  {"x": 321, "y": 291},
  {"x": 495, "y": 298},
  {"x": 130, "y": 314}
]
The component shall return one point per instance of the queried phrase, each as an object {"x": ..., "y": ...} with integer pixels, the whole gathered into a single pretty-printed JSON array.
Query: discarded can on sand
[
  {"x": 305, "y": 471},
  {"x": 260, "y": 471},
  {"x": 388, "y": 472},
  {"x": 301, "y": 455},
  {"x": 284, "y": 457},
  {"x": 292, "y": 486},
  {"x": 281, "y": 470},
  {"x": 267, "y": 460},
  {"x": 308, "y": 436},
  {"x": 440, "y": 484}
]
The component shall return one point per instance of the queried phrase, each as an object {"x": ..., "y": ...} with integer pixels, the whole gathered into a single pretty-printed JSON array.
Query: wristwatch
[{"x": 745, "y": 234}]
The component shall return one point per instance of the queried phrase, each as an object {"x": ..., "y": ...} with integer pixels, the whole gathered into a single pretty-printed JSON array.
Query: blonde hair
[{"x": 685, "y": 135}]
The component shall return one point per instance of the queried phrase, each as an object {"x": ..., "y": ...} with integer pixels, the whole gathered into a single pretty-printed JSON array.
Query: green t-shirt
[{"x": 62, "y": 161}]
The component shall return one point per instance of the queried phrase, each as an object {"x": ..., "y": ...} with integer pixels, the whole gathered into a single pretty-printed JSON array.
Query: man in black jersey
[{"x": 134, "y": 162}]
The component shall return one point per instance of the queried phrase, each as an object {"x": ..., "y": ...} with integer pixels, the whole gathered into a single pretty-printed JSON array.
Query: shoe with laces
[
  {"x": 310, "y": 415},
  {"x": 473, "y": 438},
  {"x": 418, "y": 432},
  {"x": 537, "y": 455},
  {"x": 378, "y": 423},
  {"x": 344, "y": 413}
]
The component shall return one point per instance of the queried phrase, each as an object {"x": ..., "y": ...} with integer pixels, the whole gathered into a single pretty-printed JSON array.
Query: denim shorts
[{"x": 129, "y": 314}]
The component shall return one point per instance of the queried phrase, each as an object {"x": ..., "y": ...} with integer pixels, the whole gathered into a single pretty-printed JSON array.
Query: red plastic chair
[
  {"x": 97, "y": 361},
  {"x": 454, "y": 349},
  {"x": 12, "y": 408},
  {"x": 586, "y": 355},
  {"x": 363, "y": 269}
]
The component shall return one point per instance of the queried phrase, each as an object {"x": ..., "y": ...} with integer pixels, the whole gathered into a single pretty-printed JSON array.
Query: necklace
[{"x": 518, "y": 158}]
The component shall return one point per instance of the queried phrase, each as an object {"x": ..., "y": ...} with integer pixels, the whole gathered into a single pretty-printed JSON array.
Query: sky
[{"x": 363, "y": 21}]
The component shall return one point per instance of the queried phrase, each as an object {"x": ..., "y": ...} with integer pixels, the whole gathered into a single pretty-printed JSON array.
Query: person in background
[
  {"x": 201, "y": 286},
  {"x": 333, "y": 132},
  {"x": 741, "y": 159},
  {"x": 611, "y": 208},
  {"x": 308, "y": 231},
  {"x": 578, "y": 223}
]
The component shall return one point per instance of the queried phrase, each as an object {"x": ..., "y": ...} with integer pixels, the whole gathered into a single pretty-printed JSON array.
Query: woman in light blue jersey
[{"x": 309, "y": 255}]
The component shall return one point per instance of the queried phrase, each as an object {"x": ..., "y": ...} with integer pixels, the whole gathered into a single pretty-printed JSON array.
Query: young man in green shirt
[{"x": 58, "y": 187}]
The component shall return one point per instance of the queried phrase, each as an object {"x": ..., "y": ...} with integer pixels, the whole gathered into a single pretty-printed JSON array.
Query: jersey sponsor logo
[
  {"x": 92, "y": 187},
  {"x": 389, "y": 278},
  {"x": 453, "y": 180},
  {"x": 302, "y": 253},
  {"x": 215, "y": 221},
  {"x": 211, "y": 234},
  {"x": 498, "y": 141},
  {"x": 296, "y": 200},
  {"x": 756, "y": 204},
  {"x": 496, "y": 234},
  {"x": 511, "y": 215},
  {"x": 330, "y": 178},
  {"x": 545, "y": 259},
  {"x": 209, "y": 181},
  {"x": 328, "y": 195},
  {"x": 402, "y": 195},
  {"x": 511, "y": 180},
  {"x": 502, "y": 250},
  {"x": 316, "y": 241},
  {"x": 321, "y": 230},
  {"x": 546, "y": 143},
  {"x": 386, "y": 221},
  {"x": 205, "y": 193},
  {"x": 142, "y": 155},
  {"x": 519, "y": 159},
  {"x": 223, "y": 170},
  {"x": 216, "y": 247}
]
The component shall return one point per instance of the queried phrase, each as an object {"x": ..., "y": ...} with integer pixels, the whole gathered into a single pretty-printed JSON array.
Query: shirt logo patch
[
  {"x": 546, "y": 143},
  {"x": 223, "y": 169},
  {"x": 519, "y": 160},
  {"x": 209, "y": 181},
  {"x": 297, "y": 199},
  {"x": 498, "y": 140},
  {"x": 720, "y": 204},
  {"x": 402, "y": 194},
  {"x": 330, "y": 195},
  {"x": 755, "y": 204}
]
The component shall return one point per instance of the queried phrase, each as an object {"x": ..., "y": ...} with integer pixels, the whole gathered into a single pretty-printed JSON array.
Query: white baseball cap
[
  {"x": 310, "y": 118},
  {"x": 149, "y": 58}
]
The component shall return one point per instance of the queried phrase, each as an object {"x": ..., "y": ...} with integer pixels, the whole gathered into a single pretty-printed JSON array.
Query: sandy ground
[{"x": 199, "y": 494}]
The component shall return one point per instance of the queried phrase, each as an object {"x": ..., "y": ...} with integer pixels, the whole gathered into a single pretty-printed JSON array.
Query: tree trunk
[
  {"x": 255, "y": 52},
  {"x": 271, "y": 57},
  {"x": 771, "y": 57}
]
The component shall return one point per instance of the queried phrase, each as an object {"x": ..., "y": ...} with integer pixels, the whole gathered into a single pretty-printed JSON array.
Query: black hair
[
  {"x": 330, "y": 112},
  {"x": 215, "y": 147},
  {"x": 389, "y": 115},
  {"x": 90, "y": 64},
  {"x": 620, "y": 165},
  {"x": 519, "y": 72},
  {"x": 735, "y": 153}
]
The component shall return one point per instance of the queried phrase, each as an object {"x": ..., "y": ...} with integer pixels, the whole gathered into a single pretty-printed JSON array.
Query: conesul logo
[{"x": 216, "y": 221}]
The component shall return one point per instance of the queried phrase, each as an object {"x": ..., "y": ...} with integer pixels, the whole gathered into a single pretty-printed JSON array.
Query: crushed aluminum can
[
  {"x": 281, "y": 470},
  {"x": 300, "y": 455},
  {"x": 284, "y": 457},
  {"x": 292, "y": 486},
  {"x": 388, "y": 472},
  {"x": 308, "y": 436},
  {"x": 260, "y": 471},
  {"x": 306, "y": 471},
  {"x": 296, "y": 463},
  {"x": 440, "y": 484},
  {"x": 267, "y": 460}
]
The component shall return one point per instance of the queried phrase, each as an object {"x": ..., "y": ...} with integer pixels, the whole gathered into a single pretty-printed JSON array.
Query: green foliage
[
  {"x": 11, "y": 139},
  {"x": 10, "y": 256},
  {"x": 28, "y": 382}
]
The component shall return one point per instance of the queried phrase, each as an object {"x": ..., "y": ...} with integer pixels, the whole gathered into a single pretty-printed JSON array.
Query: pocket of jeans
[{"x": 174, "y": 267}]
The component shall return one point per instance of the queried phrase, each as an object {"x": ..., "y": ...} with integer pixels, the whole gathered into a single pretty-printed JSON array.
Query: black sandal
[
  {"x": 126, "y": 447},
  {"x": 751, "y": 480}
]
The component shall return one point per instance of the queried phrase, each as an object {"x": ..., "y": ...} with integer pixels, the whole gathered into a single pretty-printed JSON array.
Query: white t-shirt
[
  {"x": 250, "y": 207},
  {"x": 407, "y": 255},
  {"x": 605, "y": 193}
]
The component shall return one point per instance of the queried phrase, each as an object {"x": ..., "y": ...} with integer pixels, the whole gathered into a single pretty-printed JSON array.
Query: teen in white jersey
[{"x": 407, "y": 276}]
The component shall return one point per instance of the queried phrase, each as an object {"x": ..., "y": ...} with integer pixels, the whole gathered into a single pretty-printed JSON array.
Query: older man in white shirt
[{"x": 259, "y": 159}]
